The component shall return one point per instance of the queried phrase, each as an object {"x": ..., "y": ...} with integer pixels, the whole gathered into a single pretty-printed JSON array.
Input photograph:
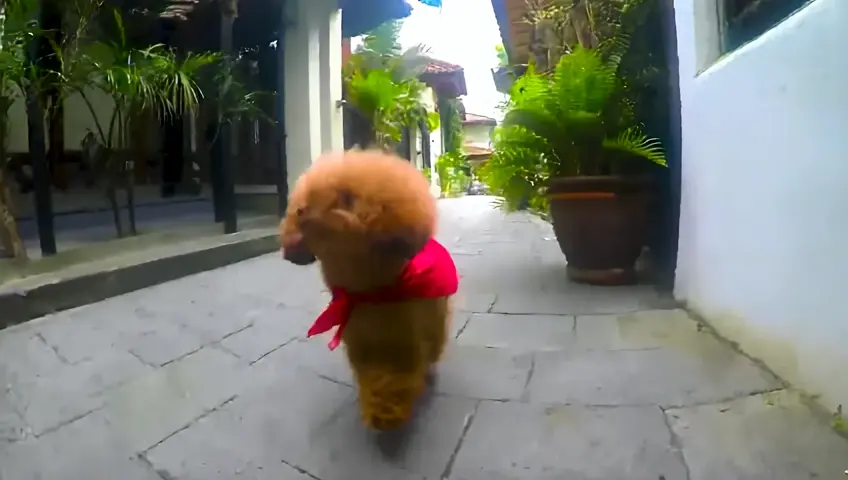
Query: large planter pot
[{"x": 601, "y": 224}]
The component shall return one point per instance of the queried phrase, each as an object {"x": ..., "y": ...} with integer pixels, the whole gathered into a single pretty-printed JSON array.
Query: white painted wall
[
  {"x": 313, "y": 83},
  {"x": 428, "y": 99},
  {"x": 764, "y": 213},
  {"x": 78, "y": 120},
  {"x": 478, "y": 135}
]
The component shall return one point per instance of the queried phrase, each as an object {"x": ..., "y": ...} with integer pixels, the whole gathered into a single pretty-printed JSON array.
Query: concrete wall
[{"x": 764, "y": 211}]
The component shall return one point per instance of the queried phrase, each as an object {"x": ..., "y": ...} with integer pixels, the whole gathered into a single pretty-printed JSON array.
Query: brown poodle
[{"x": 369, "y": 218}]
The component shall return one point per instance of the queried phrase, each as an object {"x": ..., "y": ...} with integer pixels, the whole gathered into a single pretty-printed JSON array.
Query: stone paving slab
[
  {"x": 762, "y": 437},
  {"x": 517, "y": 440},
  {"x": 519, "y": 332},
  {"x": 638, "y": 331},
  {"x": 483, "y": 373},
  {"x": 257, "y": 435},
  {"x": 67, "y": 393},
  {"x": 210, "y": 377},
  {"x": 83, "y": 450},
  {"x": 707, "y": 371}
]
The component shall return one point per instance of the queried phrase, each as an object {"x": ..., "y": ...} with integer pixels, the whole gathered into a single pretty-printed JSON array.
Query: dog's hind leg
[{"x": 387, "y": 398}]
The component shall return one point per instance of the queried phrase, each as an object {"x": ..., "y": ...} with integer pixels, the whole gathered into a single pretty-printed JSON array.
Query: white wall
[
  {"x": 764, "y": 215},
  {"x": 477, "y": 134},
  {"x": 313, "y": 83},
  {"x": 428, "y": 99},
  {"x": 78, "y": 120}
]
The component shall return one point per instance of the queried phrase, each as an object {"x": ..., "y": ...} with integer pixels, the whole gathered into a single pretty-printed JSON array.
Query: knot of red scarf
[{"x": 430, "y": 274}]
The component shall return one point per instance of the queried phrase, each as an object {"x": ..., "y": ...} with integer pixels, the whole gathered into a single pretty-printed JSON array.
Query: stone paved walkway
[{"x": 209, "y": 377}]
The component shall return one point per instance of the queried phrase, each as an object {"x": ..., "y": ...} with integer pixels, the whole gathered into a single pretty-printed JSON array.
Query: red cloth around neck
[{"x": 430, "y": 274}]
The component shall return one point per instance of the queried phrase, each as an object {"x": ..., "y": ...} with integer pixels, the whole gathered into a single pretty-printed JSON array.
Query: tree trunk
[
  {"x": 10, "y": 239},
  {"x": 582, "y": 24},
  {"x": 113, "y": 176},
  {"x": 129, "y": 178},
  {"x": 127, "y": 165}
]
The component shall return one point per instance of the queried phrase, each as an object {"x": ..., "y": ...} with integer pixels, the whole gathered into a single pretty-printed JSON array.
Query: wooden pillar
[
  {"x": 229, "y": 11},
  {"x": 38, "y": 149},
  {"x": 280, "y": 116}
]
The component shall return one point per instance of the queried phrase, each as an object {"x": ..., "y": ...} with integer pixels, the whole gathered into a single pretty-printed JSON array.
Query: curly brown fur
[{"x": 363, "y": 215}]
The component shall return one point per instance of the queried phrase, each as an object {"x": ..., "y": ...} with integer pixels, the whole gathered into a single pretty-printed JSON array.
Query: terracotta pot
[{"x": 601, "y": 225}]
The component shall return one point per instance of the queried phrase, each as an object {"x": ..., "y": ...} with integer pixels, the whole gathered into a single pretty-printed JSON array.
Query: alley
[{"x": 210, "y": 377}]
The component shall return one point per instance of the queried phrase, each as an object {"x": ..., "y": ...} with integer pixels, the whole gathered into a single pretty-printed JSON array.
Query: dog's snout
[{"x": 296, "y": 252}]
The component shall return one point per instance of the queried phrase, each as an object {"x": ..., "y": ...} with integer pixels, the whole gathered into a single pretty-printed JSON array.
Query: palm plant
[
  {"x": 136, "y": 80},
  {"x": 381, "y": 80},
  {"x": 17, "y": 31},
  {"x": 568, "y": 123}
]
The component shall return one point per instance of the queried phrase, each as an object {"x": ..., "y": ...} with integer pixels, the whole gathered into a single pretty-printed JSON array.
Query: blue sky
[{"x": 463, "y": 32}]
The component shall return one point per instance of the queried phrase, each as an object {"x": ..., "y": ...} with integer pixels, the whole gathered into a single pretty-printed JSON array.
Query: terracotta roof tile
[{"x": 441, "y": 66}]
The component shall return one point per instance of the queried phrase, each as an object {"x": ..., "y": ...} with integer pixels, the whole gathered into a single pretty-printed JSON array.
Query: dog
[{"x": 369, "y": 219}]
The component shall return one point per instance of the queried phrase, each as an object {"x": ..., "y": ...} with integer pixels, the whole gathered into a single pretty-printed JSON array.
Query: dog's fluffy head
[{"x": 358, "y": 204}]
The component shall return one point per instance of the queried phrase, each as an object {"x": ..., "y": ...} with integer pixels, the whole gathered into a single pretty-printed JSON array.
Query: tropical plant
[
  {"x": 503, "y": 59},
  {"x": 568, "y": 123},
  {"x": 17, "y": 77},
  {"x": 381, "y": 80},
  {"x": 136, "y": 80},
  {"x": 451, "y": 170},
  {"x": 452, "y": 166},
  {"x": 384, "y": 40}
]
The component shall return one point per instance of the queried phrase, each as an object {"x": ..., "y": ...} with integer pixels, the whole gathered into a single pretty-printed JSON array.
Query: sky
[{"x": 463, "y": 32}]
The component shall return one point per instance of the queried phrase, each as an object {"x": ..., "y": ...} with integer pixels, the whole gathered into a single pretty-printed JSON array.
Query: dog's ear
[
  {"x": 400, "y": 245},
  {"x": 346, "y": 199}
]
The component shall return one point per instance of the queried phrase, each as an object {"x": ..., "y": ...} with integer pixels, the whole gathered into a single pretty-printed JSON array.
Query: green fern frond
[{"x": 636, "y": 143}]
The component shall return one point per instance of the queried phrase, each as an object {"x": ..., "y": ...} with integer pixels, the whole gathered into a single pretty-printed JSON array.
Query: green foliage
[
  {"x": 382, "y": 83},
  {"x": 453, "y": 127},
  {"x": 503, "y": 59},
  {"x": 571, "y": 122},
  {"x": 433, "y": 121},
  {"x": 19, "y": 28},
  {"x": 152, "y": 78},
  {"x": 518, "y": 167},
  {"x": 451, "y": 167},
  {"x": 390, "y": 105},
  {"x": 385, "y": 39}
]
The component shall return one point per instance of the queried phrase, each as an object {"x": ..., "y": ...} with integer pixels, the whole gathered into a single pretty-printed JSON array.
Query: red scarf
[{"x": 430, "y": 274}]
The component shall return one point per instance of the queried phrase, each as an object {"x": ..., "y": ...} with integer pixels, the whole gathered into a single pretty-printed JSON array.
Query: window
[{"x": 745, "y": 20}]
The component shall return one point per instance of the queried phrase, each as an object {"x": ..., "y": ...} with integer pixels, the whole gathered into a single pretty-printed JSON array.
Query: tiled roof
[{"x": 441, "y": 66}]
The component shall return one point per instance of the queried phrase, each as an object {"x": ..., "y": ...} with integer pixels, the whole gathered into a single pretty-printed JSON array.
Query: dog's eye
[
  {"x": 300, "y": 212},
  {"x": 346, "y": 199}
]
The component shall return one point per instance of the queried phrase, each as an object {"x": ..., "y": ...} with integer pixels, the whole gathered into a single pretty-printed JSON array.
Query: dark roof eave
[{"x": 446, "y": 84}]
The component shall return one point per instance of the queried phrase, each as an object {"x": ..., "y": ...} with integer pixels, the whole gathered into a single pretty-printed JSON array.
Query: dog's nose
[{"x": 296, "y": 252}]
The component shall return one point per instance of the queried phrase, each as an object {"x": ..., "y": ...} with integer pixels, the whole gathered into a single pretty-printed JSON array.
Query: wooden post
[
  {"x": 38, "y": 152},
  {"x": 229, "y": 12},
  {"x": 280, "y": 113}
]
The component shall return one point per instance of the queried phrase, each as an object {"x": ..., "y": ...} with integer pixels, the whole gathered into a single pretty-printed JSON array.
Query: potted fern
[{"x": 568, "y": 143}]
